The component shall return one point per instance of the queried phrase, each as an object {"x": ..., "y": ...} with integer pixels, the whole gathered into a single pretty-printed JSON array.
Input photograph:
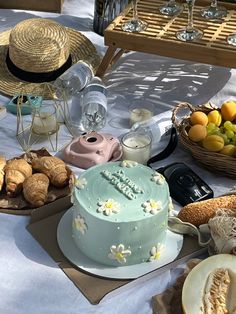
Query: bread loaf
[{"x": 199, "y": 213}]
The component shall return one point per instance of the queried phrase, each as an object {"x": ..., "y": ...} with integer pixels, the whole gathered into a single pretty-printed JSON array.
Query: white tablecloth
[{"x": 30, "y": 281}]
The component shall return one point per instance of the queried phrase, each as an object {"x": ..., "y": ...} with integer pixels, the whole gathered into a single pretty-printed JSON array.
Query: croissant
[
  {"x": 2, "y": 173},
  {"x": 16, "y": 171},
  {"x": 35, "y": 189},
  {"x": 54, "y": 168}
]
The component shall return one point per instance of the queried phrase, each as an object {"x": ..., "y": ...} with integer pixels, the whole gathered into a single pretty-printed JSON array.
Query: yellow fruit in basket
[
  {"x": 215, "y": 117},
  {"x": 213, "y": 143},
  {"x": 228, "y": 110},
  {"x": 229, "y": 150},
  {"x": 197, "y": 132},
  {"x": 198, "y": 117}
]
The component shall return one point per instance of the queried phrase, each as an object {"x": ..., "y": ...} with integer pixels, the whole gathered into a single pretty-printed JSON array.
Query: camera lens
[{"x": 91, "y": 139}]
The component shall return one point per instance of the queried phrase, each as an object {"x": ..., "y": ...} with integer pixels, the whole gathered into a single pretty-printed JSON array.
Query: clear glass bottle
[
  {"x": 73, "y": 80},
  {"x": 94, "y": 106}
]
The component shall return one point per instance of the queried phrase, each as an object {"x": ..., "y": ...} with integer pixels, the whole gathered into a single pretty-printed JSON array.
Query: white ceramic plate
[{"x": 67, "y": 245}]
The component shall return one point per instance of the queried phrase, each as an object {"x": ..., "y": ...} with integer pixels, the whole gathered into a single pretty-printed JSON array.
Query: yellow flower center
[
  {"x": 109, "y": 205},
  {"x": 153, "y": 204},
  {"x": 119, "y": 255},
  {"x": 78, "y": 224},
  {"x": 157, "y": 255}
]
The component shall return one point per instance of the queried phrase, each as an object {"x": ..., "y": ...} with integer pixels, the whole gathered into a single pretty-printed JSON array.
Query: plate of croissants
[{"x": 32, "y": 180}]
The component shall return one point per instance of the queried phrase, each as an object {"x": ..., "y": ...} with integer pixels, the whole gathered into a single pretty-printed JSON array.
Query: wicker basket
[{"x": 214, "y": 162}]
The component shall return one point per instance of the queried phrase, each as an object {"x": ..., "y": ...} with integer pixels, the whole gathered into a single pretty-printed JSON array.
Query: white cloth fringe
[{"x": 223, "y": 231}]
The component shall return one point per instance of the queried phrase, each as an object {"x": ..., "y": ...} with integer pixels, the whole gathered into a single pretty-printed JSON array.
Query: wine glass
[
  {"x": 135, "y": 25},
  {"x": 189, "y": 33},
  {"x": 231, "y": 39},
  {"x": 214, "y": 11},
  {"x": 171, "y": 8}
]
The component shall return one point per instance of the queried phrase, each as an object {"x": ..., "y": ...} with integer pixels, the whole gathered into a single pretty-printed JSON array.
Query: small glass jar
[
  {"x": 44, "y": 120},
  {"x": 140, "y": 111},
  {"x": 136, "y": 146}
]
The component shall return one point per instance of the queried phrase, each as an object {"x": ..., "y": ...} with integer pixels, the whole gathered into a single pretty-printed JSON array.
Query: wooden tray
[{"x": 159, "y": 38}]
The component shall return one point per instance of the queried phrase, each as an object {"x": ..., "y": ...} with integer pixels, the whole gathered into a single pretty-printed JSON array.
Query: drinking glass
[
  {"x": 189, "y": 33},
  {"x": 214, "y": 11},
  {"x": 231, "y": 39},
  {"x": 171, "y": 8},
  {"x": 135, "y": 25}
]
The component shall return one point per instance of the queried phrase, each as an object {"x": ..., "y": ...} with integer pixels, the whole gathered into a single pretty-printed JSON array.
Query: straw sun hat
[{"x": 39, "y": 50}]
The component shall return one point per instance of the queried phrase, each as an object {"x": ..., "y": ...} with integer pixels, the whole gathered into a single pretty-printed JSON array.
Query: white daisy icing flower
[
  {"x": 158, "y": 178},
  {"x": 156, "y": 252},
  {"x": 119, "y": 253},
  {"x": 108, "y": 207},
  {"x": 81, "y": 183},
  {"x": 152, "y": 206},
  {"x": 129, "y": 163},
  {"x": 80, "y": 224}
]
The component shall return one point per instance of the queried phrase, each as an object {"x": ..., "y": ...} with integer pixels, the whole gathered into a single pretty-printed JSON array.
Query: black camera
[{"x": 184, "y": 184}]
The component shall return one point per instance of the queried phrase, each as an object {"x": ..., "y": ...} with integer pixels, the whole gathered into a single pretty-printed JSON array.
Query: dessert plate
[{"x": 67, "y": 245}]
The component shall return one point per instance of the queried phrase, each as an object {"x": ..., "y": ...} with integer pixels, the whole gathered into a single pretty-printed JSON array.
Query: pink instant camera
[{"x": 92, "y": 149}]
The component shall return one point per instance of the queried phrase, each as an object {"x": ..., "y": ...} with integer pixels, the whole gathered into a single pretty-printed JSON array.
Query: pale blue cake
[{"x": 120, "y": 213}]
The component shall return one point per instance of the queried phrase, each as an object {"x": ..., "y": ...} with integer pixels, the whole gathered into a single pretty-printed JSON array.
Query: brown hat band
[{"x": 34, "y": 77}]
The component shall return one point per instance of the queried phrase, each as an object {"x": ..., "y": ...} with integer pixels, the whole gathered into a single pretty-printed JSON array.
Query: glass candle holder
[
  {"x": 139, "y": 114},
  {"x": 44, "y": 120},
  {"x": 140, "y": 111},
  {"x": 136, "y": 146}
]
